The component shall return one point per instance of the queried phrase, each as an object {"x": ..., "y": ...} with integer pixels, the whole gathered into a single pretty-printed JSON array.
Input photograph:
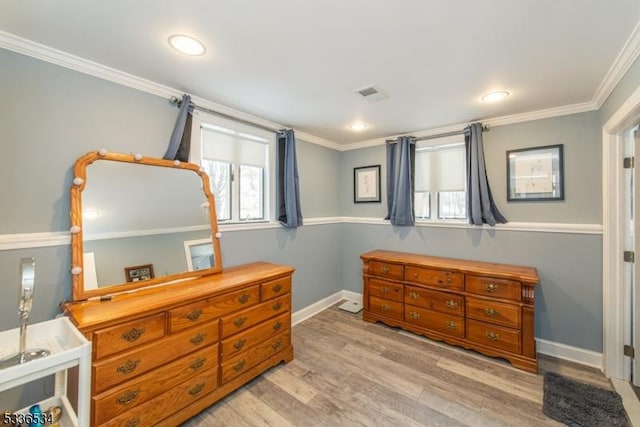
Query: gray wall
[{"x": 55, "y": 115}]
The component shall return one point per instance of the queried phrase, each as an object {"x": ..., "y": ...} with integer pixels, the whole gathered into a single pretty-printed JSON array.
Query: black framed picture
[
  {"x": 366, "y": 184},
  {"x": 535, "y": 174}
]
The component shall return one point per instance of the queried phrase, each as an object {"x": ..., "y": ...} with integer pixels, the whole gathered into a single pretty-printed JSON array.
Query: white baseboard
[
  {"x": 572, "y": 354},
  {"x": 550, "y": 348},
  {"x": 629, "y": 400}
]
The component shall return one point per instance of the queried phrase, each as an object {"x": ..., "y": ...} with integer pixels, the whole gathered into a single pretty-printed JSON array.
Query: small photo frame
[
  {"x": 199, "y": 254},
  {"x": 138, "y": 273},
  {"x": 535, "y": 174},
  {"x": 366, "y": 184}
]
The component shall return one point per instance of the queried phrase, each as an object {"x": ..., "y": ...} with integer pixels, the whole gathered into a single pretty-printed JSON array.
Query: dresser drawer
[
  {"x": 128, "y": 335},
  {"x": 251, "y": 337},
  {"x": 125, "y": 366},
  {"x": 153, "y": 411},
  {"x": 494, "y": 288},
  {"x": 206, "y": 310},
  {"x": 494, "y": 312},
  {"x": 275, "y": 288},
  {"x": 247, "y": 359},
  {"x": 145, "y": 387},
  {"x": 386, "y": 269},
  {"x": 444, "y": 302},
  {"x": 440, "y": 322},
  {"x": 385, "y": 307},
  {"x": 440, "y": 278},
  {"x": 387, "y": 290},
  {"x": 245, "y": 319},
  {"x": 494, "y": 336}
]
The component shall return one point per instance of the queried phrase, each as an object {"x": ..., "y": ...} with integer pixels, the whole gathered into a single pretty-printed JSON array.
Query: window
[
  {"x": 440, "y": 180},
  {"x": 236, "y": 157}
]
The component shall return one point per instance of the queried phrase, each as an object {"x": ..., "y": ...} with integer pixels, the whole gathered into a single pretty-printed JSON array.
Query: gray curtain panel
[
  {"x": 480, "y": 204},
  {"x": 289, "y": 212},
  {"x": 180, "y": 142},
  {"x": 400, "y": 178}
]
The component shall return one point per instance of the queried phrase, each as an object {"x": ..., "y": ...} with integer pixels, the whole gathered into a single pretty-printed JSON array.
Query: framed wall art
[
  {"x": 366, "y": 184},
  {"x": 535, "y": 174},
  {"x": 137, "y": 273}
]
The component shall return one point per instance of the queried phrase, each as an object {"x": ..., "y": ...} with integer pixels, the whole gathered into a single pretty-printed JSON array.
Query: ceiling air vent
[{"x": 372, "y": 93}]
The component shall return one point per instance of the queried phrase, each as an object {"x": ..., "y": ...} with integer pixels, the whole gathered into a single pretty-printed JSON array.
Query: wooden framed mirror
[{"x": 131, "y": 218}]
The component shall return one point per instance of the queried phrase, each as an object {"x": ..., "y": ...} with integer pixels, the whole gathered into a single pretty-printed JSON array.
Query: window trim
[
  {"x": 201, "y": 119},
  {"x": 434, "y": 215}
]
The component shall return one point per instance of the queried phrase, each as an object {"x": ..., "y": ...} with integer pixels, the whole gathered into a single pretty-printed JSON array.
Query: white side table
[{"x": 68, "y": 348}]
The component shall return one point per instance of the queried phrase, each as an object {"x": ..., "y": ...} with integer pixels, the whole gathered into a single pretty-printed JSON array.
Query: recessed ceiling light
[
  {"x": 495, "y": 96},
  {"x": 358, "y": 126},
  {"x": 187, "y": 45}
]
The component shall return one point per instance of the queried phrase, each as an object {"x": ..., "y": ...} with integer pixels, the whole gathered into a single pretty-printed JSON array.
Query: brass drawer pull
[
  {"x": 238, "y": 366},
  {"x": 491, "y": 312},
  {"x": 240, "y": 344},
  {"x": 193, "y": 315},
  {"x": 239, "y": 321},
  {"x": 451, "y": 325},
  {"x": 491, "y": 287},
  {"x": 198, "y": 363},
  {"x": 276, "y": 345},
  {"x": 451, "y": 304},
  {"x": 277, "y": 326},
  {"x": 198, "y": 339},
  {"x": 243, "y": 299},
  {"x": 277, "y": 306},
  {"x": 128, "y": 397},
  {"x": 414, "y": 295},
  {"x": 128, "y": 367},
  {"x": 492, "y": 336},
  {"x": 385, "y": 307},
  {"x": 385, "y": 290},
  {"x": 135, "y": 422},
  {"x": 277, "y": 288},
  {"x": 133, "y": 334},
  {"x": 197, "y": 389},
  {"x": 384, "y": 269},
  {"x": 414, "y": 315}
]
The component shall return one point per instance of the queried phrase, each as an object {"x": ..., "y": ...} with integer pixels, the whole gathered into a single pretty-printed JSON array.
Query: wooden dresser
[
  {"x": 162, "y": 355},
  {"x": 482, "y": 306}
]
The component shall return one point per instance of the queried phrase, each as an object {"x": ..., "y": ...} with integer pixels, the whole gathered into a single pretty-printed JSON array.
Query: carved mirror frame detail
[{"x": 77, "y": 245}]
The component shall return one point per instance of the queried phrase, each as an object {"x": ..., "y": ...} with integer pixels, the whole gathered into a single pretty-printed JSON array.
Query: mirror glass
[{"x": 142, "y": 222}]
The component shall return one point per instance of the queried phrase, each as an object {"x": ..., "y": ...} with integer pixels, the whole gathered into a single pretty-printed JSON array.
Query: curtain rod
[
  {"x": 442, "y": 135},
  {"x": 177, "y": 102}
]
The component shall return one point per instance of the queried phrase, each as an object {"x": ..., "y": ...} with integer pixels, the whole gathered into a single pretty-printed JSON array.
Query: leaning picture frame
[
  {"x": 138, "y": 273},
  {"x": 199, "y": 254},
  {"x": 366, "y": 184},
  {"x": 535, "y": 174}
]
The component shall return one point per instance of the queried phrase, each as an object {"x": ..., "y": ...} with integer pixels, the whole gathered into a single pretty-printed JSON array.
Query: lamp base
[{"x": 24, "y": 357}]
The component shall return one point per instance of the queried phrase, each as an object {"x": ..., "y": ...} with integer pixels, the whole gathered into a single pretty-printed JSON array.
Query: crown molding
[
  {"x": 625, "y": 59},
  {"x": 547, "y": 113},
  {"x": 45, "y": 53},
  {"x": 622, "y": 63}
]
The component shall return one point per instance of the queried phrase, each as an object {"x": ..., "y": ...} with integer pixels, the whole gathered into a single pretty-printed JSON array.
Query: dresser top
[
  {"x": 92, "y": 313},
  {"x": 528, "y": 275}
]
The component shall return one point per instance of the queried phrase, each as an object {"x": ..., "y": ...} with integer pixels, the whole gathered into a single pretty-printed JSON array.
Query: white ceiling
[{"x": 297, "y": 63}]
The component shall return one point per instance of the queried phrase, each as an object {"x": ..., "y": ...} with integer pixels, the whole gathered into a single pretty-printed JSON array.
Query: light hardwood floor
[{"x": 347, "y": 372}]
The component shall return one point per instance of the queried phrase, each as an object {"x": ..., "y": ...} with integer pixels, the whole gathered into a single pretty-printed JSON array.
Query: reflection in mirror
[{"x": 135, "y": 217}]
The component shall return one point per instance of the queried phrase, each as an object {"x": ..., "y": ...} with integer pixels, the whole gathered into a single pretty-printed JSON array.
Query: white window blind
[
  {"x": 440, "y": 168},
  {"x": 222, "y": 144}
]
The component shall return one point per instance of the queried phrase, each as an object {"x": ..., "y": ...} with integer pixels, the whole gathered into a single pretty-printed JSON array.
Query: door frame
[{"x": 613, "y": 295}]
